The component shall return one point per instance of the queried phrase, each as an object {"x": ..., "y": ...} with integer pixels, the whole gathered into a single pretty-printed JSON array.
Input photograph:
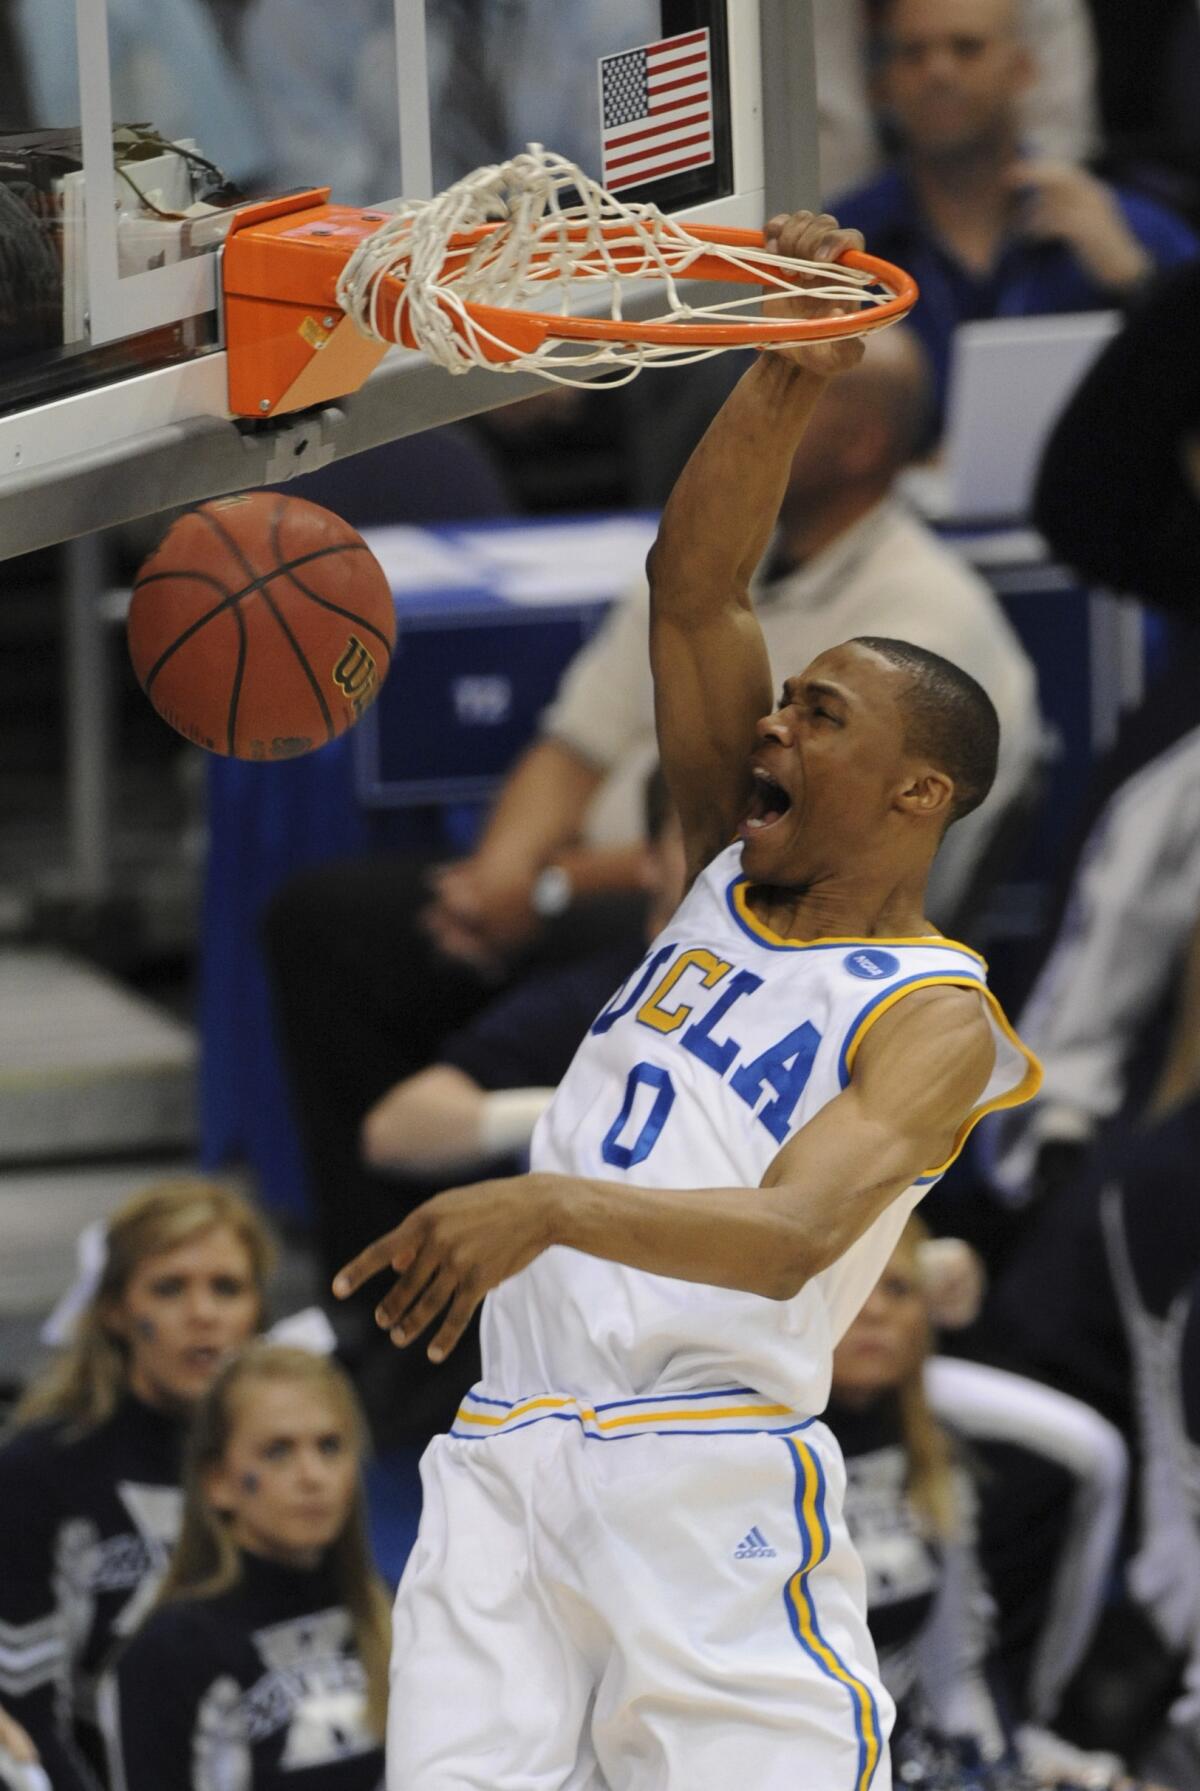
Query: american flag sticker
[{"x": 656, "y": 110}]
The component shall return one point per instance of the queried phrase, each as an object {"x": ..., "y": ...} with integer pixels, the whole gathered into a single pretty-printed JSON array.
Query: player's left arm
[{"x": 919, "y": 1074}]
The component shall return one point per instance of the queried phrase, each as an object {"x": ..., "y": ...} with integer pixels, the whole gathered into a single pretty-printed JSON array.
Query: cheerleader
[
  {"x": 265, "y": 1662},
  {"x": 90, "y": 1497},
  {"x": 911, "y": 1511}
]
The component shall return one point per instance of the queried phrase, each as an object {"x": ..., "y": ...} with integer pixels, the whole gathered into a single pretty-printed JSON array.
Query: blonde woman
[
  {"x": 909, "y": 1507},
  {"x": 90, "y": 1496},
  {"x": 268, "y": 1652}
]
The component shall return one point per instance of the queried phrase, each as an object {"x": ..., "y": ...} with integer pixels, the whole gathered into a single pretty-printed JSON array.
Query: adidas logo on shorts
[{"x": 753, "y": 1547}]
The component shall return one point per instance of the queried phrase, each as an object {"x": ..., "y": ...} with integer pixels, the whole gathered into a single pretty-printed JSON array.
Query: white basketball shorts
[{"x": 650, "y": 1595}]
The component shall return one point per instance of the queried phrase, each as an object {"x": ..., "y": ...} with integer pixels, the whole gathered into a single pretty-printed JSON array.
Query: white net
[{"x": 561, "y": 240}]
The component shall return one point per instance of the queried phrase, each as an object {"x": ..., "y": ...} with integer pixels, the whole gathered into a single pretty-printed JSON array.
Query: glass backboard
[{"x": 134, "y": 128}]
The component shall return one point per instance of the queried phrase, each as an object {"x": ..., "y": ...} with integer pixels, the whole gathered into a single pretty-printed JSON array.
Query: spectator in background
[
  {"x": 492, "y": 1079},
  {"x": 988, "y": 229},
  {"x": 1101, "y": 1294},
  {"x": 1058, "y": 111},
  {"x": 328, "y": 88},
  {"x": 1118, "y": 497},
  {"x": 89, "y": 1484},
  {"x": 553, "y": 876},
  {"x": 1102, "y": 1297},
  {"x": 911, "y": 1508},
  {"x": 1146, "y": 1208},
  {"x": 1095, "y": 1013},
  {"x": 1065, "y": 1325},
  {"x": 266, "y": 1657}
]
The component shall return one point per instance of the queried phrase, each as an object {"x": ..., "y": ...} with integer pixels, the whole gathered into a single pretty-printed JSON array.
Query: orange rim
[{"x": 756, "y": 332}]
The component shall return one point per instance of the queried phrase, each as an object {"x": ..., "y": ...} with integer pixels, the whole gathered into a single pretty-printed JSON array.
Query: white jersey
[{"x": 720, "y": 1046}]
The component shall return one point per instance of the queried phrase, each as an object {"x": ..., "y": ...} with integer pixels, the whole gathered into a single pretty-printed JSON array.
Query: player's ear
[{"x": 927, "y": 795}]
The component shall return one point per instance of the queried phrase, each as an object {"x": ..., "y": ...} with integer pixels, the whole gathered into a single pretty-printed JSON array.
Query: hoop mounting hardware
[{"x": 507, "y": 270}]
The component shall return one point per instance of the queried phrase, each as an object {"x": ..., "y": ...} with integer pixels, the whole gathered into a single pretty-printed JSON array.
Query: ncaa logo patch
[{"x": 871, "y": 966}]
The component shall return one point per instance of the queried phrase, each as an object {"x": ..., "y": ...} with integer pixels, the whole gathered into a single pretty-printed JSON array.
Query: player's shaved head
[{"x": 949, "y": 719}]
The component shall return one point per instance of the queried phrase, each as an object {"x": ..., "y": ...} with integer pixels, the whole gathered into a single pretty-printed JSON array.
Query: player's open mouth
[{"x": 769, "y": 803}]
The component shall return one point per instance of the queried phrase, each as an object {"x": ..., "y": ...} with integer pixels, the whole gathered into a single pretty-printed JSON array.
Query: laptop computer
[{"x": 1010, "y": 378}]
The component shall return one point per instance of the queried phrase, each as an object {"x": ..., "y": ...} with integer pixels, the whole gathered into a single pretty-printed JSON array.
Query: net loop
[{"x": 494, "y": 271}]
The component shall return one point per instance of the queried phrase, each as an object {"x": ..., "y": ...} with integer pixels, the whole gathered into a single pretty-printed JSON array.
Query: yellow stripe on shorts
[{"x": 814, "y": 1535}]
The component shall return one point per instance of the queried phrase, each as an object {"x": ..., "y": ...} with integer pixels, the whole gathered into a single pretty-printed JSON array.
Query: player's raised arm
[{"x": 712, "y": 680}]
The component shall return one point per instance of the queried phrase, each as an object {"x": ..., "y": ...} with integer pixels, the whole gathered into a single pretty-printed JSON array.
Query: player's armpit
[{"x": 919, "y": 1075}]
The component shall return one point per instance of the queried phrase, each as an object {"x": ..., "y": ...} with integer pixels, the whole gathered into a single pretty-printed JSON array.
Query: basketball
[{"x": 262, "y": 626}]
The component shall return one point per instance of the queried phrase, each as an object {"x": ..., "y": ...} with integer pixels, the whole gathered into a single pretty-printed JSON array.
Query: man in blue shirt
[{"x": 986, "y": 231}]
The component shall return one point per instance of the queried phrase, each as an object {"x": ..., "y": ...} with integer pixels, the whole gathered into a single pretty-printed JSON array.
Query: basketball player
[{"x": 632, "y": 1569}]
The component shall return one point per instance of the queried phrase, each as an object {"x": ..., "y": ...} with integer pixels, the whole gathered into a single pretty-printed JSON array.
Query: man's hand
[
  {"x": 954, "y": 1280},
  {"x": 482, "y": 912},
  {"x": 450, "y": 1252},
  {"x": 809, "y": 236},
  {"x": 1064, "y": 203}
]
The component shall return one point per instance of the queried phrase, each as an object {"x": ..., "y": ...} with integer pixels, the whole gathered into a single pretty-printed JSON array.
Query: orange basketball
[{"x": 261, "y": 626}]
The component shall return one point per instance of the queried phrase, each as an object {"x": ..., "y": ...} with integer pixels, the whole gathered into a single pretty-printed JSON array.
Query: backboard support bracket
[{"x": 298, "y": 444}]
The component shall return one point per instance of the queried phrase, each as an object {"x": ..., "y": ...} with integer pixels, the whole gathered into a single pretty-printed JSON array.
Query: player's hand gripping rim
[
  {"x": 451, "y": 1251},
  {"x": 813, "y": 236}
]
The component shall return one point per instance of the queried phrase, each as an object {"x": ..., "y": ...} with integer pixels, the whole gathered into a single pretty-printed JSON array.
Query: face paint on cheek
[
  {"x": 146, "y": 1329},
  {"x": 249, "y": 1482}
]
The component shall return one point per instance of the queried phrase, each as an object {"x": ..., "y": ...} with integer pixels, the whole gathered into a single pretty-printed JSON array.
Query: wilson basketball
[{"x": 262, "y": 626}]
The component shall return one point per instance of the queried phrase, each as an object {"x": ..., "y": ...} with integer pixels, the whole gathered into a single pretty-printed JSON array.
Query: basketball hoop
[
  {"x": 495, "y": 271},
  {"x": 466, "y": 276}
]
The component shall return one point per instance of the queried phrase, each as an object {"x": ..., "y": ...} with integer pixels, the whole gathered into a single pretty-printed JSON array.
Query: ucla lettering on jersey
[{"x": 721, "y": 1045}]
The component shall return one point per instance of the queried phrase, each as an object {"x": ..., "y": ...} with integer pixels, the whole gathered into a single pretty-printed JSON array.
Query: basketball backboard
[{"x": 114, "y": 402}]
